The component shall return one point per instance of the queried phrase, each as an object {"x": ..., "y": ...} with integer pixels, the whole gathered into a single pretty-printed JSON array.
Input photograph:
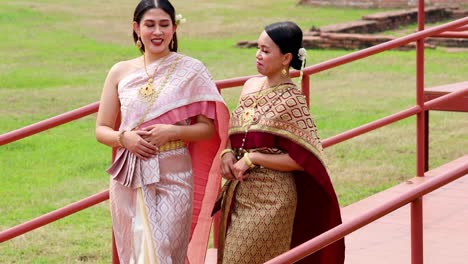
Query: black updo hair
[
  {"x": 288, "y": 37},
  {"x": 146, "y": 5}
]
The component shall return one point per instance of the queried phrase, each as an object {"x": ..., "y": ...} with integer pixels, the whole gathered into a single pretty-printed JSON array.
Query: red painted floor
[{"x": 388, "y": 239}]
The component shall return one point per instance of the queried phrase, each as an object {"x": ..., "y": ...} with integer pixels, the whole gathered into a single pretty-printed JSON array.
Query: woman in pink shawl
[{"x": 169, "y": 135}]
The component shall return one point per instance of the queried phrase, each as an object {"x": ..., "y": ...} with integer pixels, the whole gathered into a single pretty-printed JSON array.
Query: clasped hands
[
  {"x": 144, "y": 142},
  {"x": 233, "y": 169}
]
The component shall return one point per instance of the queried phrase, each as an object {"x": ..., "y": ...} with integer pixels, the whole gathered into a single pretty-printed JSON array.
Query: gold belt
[{"x": 172, "y": 145}]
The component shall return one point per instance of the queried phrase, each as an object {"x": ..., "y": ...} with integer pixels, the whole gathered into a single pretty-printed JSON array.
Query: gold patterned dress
[
  {"x": 272, "y": 211},
  {"x": 274, "y": 196}
]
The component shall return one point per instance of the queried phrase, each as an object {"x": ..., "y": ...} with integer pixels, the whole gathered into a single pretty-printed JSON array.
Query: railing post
[
  {"x": 417, "y": 231},
  {"x": 417, "y": 250},
  {"x": 305, "y": 86},
  {"x": 421, "y": 121}
]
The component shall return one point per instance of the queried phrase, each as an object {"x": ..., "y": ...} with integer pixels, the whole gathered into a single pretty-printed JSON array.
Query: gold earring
[
  {"x": 172, "y": 44},
  {"x": 284, "y": 72},
  {"x": 138, "y": 43}
]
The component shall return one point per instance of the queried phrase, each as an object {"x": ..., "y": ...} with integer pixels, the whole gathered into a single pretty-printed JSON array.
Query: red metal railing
[
  {"x": 53, "y": 216},
  {"x": 345, "y": 228},
  {"x": 383, "y": 47},
  {"x": 463, "y": 28},
  {"x": 48, "y": 123},
  {"x": 348, "y": 227}
]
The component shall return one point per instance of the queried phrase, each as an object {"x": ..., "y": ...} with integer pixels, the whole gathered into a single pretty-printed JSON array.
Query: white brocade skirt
[{"x": 151, "y": 224}]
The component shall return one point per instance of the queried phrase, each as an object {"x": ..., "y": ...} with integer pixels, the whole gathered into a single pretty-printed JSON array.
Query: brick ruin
[
  {"x": 361, "y": 33},
  {"x": 381, "y": 3}
]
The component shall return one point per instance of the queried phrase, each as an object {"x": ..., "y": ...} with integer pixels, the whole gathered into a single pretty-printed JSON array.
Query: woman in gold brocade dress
[{"x": 278, "y": 193}]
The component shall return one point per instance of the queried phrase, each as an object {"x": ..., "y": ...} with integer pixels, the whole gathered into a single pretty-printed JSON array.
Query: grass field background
[{"x": 54, "y": 56}]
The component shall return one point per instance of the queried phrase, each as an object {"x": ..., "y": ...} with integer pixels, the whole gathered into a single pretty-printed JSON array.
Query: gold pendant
[
  {"x": 147, "y": 90},
  {"x": 247, "y": 116}
]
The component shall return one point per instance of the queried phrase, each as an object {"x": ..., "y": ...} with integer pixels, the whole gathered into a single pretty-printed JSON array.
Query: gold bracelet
[
  {"x": 248, "y": 161},
  {"x": 228, "y": 150},
  {"x": 119, "y": 138}
]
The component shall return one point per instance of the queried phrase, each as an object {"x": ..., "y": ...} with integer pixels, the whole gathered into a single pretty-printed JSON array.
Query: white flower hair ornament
[
  {"x": 302, "y": 54},
  {"x": 179, "y": 19}
]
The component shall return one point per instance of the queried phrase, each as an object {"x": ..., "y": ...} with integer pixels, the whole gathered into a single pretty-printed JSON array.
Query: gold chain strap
[{"x": 157, "y": 92}]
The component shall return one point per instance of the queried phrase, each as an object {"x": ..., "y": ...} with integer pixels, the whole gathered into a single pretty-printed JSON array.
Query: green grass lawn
[{"x": 54, "y": 56}]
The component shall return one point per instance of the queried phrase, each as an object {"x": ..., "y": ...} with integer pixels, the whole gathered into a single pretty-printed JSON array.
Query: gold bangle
[
  {"x": 248, "y": 161},
  {"x": 228, "y": 150},
  {"x": 119, "y": 138}
]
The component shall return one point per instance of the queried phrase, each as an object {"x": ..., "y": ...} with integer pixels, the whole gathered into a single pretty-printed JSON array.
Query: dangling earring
[
  {"x": 172, "y": 44},
  {"x": 284, "y": 72},
  {"x": 138, "y": 43}
]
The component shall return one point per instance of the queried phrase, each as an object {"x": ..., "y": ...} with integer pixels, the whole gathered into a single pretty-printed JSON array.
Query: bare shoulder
[
  {"x": 252, "y": 85},
  {"x": 123, "y": 68},
  {"x": 127, "y": 66}
]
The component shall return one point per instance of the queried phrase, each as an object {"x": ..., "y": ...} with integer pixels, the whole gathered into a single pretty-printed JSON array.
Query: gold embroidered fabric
[
  {"x": 281, "y": 111},
  {"x": 262, "y": 217}
]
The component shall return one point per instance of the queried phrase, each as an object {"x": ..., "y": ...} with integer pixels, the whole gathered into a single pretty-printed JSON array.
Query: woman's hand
[
  {"x": 159, "y": 134},
  {"x": 134, "y": 141},
  {"x": 240, "y": 169},
  {"x": 227, "y": 166}
]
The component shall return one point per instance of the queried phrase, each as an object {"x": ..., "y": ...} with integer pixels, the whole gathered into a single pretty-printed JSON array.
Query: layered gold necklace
[
  {"x": 147, "y": 91},
  {"x": 150, "y": 93}
]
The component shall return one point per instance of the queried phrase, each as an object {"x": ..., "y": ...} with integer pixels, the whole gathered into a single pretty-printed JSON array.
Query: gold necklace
[
  {"x": 155, "y": 94},
  {"x": 249, "y": 113},
  {"x": 249, "y": 116},
  {"x": 253, "y": 117},
  {"x": 147, "y": 91}
]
